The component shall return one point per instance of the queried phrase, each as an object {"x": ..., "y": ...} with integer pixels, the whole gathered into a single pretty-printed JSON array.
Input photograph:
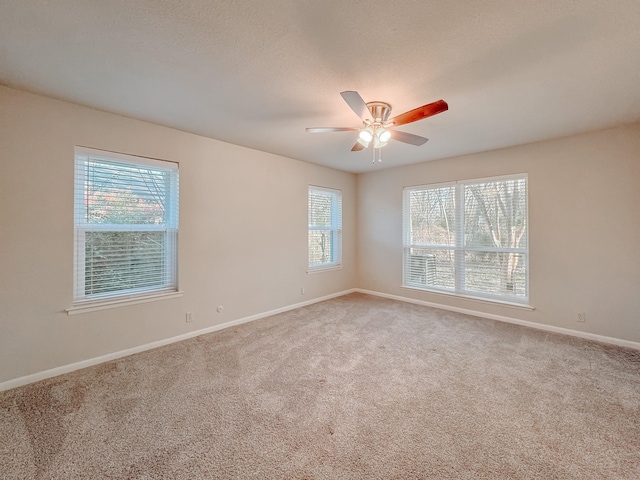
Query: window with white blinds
[
  {"x": 325, "y": 228},
  {"x": 468, "y": 238},
  {"x": 126, "y": 225}
]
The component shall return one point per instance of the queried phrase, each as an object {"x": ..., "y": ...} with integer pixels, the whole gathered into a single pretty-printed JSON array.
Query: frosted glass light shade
[
  {"x": 384, "y": 135},
  {"x": 366, "y": 135}
]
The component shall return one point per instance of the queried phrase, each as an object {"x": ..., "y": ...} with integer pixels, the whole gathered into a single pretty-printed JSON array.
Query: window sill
[
  {"x": 488, "y": 301},
  {"x": 93, "y": 306},
  {"x": 323, "y": 269}
]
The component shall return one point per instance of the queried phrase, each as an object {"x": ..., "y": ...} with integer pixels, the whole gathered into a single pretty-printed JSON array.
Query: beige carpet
[{"x": 354, "y": 387}]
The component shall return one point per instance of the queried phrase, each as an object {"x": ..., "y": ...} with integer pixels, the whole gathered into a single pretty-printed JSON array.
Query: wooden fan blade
[
  {"x": 357, "y": 147},
  {"x": 331, "y": 129},
  {"x": 355, "y": 101},
  {"x": 408, "y": 138},
  {"x": 419, "y": 113}
]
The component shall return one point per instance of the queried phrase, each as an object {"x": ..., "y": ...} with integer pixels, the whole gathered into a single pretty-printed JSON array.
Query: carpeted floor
[{"x": 356, "y": 387}]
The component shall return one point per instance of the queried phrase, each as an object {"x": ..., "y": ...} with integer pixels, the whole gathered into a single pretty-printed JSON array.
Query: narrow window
[
  {"x": 126, "y": 225},
  {"x": 468, "y": 238},
  {"x": 325, "y": 228}
]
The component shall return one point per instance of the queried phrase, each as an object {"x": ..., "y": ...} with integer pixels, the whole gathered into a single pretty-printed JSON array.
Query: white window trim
[
  {"x": 523, "y": 302},
  {"x": 323, "y": 268},
  {"x": 523, "y": 306},
  {"x": 87, "y": 306},
  {"x": 131, "y": 296},
  {"x": 336, "y": 222}
]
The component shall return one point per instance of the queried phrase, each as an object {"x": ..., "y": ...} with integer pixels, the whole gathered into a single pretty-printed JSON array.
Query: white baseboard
[
  {"x": 54, "y": 372},
  {"x": 539, "y": 326}
]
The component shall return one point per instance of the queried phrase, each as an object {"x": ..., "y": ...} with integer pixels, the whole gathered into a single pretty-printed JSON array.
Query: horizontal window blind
[
  {"x": 126, "y": 225},
  {"x": 325, "y": 227},
  {"x": 468, "y": 238}
]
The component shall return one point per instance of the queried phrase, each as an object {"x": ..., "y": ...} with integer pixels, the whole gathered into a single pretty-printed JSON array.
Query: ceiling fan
[{"x": 377, "y": 128}]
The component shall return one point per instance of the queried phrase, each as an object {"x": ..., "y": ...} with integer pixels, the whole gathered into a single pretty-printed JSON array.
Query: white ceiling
[{"x": 257, "y": 72}]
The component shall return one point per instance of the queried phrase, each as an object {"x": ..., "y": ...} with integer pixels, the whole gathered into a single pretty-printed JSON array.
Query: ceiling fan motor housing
[{"x": 379, "y": 112}]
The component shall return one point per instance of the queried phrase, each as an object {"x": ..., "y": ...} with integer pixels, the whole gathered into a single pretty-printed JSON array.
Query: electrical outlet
[
  {"x": 581, "y": 318},
  {"x": 188, "y": 317},
  {"x": 302, "y": 291}
]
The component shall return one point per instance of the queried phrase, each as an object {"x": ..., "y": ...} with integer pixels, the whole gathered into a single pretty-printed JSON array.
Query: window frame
[
  {"x": 87, "y": 302},
  {"x": 335, "y": 229},
  {"x": 460, "y": 248}
]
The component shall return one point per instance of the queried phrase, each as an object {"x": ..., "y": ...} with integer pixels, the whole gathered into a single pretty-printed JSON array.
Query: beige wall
[
  {"x": 584, "y": 212},
  {"x": 243, "y": 234}
]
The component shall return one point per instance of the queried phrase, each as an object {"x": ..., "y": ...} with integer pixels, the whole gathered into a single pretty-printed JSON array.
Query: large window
[
  {"x": 126, "y": 225},
  {"x": 325, "y": 228},
  {"x": 468, "y": 238}
]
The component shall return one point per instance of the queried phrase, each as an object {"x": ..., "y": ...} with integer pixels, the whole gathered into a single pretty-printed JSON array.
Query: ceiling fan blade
[
  {"x": 419, "y": 113},
  {"x": 408, "y": 138},
  {"x": 331, "y": 129},
  {"x": 357, "y": 147},
  {"x": 357, "y": 104}
]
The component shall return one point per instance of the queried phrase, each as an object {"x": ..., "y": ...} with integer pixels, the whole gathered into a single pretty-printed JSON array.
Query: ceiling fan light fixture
[{"x": 377, "y": 143}]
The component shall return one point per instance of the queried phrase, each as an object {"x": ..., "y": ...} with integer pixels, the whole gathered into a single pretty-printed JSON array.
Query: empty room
[{"x": 319, "y": 240}]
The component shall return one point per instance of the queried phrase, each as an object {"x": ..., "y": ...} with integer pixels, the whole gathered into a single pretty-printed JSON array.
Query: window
[
  {"x": 126, "y": 225},
  {"x": 325, "y": 228},
  {"x": 468, "y": 238}
]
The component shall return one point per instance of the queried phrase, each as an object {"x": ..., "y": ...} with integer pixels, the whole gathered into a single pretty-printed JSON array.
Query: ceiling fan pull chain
[{"x": 377, "y": 155}]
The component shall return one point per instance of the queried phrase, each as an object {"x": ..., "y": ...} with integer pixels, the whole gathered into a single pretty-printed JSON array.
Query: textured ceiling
[{"x": 256, "y": 73}]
